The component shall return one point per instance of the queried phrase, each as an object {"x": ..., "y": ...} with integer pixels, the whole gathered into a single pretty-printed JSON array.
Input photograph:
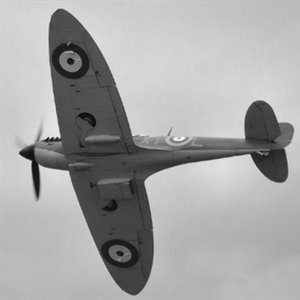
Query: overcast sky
[{"x": 222, "y": 230}]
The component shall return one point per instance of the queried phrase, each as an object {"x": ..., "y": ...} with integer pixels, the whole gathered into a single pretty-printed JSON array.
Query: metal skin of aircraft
[{"x": 108, "y": 166}]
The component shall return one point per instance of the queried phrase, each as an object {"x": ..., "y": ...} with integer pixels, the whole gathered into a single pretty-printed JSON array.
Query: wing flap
[{"x": 115, "y": 188}]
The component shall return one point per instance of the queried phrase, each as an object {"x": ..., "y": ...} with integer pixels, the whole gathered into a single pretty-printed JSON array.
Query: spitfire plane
[{"x": 108, "y": 166}]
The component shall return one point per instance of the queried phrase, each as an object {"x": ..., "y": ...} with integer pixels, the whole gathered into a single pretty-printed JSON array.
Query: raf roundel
[
  {"x": 178, "y": 140},
  {"x": 120, "y": 253},
  {"x": 70, "y": 61}
]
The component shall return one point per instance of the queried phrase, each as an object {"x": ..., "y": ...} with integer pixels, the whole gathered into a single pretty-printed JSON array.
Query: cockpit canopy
[{"x": 140, "y": 135}]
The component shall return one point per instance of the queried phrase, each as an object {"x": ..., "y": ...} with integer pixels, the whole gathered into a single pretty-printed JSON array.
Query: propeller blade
[
  {"x": 19, "y": 142},
  {"x": 39, "y": 133},
  {"x": 36, "y": 178},
  {"x": 28, "y": 153}
]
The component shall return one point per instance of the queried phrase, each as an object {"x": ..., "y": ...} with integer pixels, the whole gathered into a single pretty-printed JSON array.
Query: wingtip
[
  {"x": 133, "y": 289},
  {"x": 63, "y": 20},
  {"x": 60, "y": 11},
  {"x": 128, "y": 281},
  {"x": 62, "y": 17}
]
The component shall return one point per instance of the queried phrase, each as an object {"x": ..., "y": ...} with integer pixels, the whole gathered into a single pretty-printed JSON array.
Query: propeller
[
  {"x": 28, "y": 153},
  {"x": 19, "y": 142},
  {"x": 39, "y": 133},
  {"x": 36, "y": 178}
]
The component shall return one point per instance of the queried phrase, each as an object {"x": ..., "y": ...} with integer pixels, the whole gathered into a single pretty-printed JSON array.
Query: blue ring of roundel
[
  {"x": 71, "y": 47},
  {"x": 134, "y": 253}
]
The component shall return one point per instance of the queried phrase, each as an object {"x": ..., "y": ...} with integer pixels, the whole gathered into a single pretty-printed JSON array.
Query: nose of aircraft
[{"x": 28, "y": 152}]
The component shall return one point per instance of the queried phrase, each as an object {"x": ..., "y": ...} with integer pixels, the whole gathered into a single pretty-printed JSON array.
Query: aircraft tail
[{"x": 261, "y": 124}]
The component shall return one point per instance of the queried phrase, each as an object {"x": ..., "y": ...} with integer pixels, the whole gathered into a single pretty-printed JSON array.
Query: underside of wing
[
  {"x": 118, "y": 215},
  {"x": 90, "y": 113}
]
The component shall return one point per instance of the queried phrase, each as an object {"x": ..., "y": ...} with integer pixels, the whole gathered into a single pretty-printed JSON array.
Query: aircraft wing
[
  {"x": 90, "y": 113},
  {"x": 119, "y": 218}
]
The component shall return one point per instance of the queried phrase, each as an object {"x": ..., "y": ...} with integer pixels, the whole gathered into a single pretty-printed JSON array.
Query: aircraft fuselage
[{"x": 153, "y": 153}]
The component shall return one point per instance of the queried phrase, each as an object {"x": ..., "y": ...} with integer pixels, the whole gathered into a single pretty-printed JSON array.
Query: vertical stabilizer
[{"x": 261, "y": 124}]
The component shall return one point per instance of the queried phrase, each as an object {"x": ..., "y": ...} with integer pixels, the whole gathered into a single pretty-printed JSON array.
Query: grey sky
[{"x": 221, "y": 229}]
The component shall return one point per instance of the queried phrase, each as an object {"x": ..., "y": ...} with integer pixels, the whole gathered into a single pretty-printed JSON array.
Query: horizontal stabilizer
[{"x": 274, "y": 166}]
